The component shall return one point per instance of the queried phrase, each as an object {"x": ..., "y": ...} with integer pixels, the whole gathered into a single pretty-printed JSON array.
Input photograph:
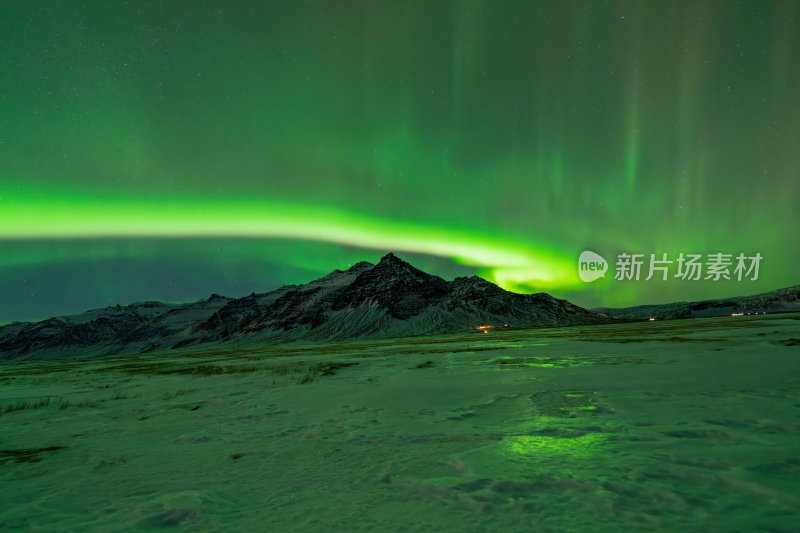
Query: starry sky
[{"x": 168, "y": 150}]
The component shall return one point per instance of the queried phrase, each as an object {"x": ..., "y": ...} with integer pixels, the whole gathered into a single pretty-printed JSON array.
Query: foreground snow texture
[{"x": 687, "y": 425}]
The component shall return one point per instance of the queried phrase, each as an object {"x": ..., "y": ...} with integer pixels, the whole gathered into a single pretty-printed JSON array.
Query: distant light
[{"x": 652, "y": 318}]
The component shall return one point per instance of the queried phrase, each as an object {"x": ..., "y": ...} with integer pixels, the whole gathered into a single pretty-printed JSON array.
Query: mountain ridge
[
  {"x": 389, "y": 299},
  {"x": 786, "y": 299}
]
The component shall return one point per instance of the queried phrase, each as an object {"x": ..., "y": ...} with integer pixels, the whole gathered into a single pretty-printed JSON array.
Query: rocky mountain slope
[{"x": 390, "y": 299}]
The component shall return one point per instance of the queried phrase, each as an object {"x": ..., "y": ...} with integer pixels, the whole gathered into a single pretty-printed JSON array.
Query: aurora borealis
[{"x": 167, "y": 150}]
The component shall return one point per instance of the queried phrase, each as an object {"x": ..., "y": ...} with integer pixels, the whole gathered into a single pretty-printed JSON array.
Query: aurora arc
[{"x": 510, "y": 264}]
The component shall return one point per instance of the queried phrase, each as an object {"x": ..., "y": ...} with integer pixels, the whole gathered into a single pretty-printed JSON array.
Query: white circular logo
[{"x": 591, "y": 266}]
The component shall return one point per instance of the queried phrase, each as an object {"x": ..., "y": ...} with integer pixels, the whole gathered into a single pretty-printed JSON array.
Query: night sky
[{"x": 168, "y": 150}]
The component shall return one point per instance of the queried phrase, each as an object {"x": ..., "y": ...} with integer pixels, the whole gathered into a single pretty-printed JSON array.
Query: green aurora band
[{"x": 46, "y": 214}]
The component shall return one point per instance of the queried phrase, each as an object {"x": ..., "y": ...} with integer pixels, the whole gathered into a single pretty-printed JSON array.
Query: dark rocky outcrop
[{"x": 390, "y": 299}]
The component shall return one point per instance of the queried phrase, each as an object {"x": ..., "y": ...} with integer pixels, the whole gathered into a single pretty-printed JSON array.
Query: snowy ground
[{"x": 673, "y": 426}]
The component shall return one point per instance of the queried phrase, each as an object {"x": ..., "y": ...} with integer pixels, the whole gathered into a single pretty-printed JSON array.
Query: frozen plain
[{"x": 668, "y": 426}]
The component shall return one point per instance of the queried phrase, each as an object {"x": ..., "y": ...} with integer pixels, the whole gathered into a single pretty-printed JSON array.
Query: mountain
[
  {"x": 781, "y": 300},
  {"x": 389, "y": 299}
]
